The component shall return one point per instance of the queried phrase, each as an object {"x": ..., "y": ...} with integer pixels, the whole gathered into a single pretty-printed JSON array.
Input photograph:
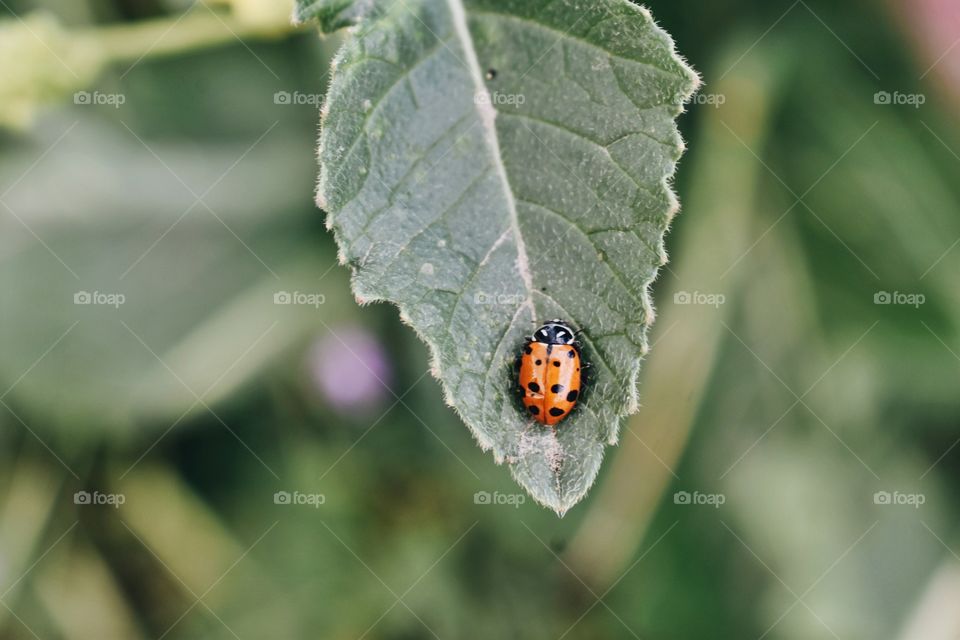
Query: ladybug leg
[{"x": 517, "y": 363}]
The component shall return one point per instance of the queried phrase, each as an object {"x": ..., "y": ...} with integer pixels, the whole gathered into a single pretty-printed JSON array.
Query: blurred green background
[{"x": 202, "y": 435}]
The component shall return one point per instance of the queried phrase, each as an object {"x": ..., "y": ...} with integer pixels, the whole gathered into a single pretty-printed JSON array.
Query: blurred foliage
[{"x": 797, "y": 400}]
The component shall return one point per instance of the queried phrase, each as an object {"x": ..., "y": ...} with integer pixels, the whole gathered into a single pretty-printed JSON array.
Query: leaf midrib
[
  {"x": 487, "y": 114},
  {"x": 462, "y": 31}
]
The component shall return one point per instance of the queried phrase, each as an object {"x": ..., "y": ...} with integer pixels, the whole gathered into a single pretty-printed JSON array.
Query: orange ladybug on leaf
[{"x": 550, "y": 379}]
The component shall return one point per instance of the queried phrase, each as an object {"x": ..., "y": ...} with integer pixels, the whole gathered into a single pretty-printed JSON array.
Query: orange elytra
[{"x": 550, "y": 379}]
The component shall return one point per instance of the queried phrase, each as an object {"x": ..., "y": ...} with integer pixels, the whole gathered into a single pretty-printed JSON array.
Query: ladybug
[{"x": 549, "y": 381}]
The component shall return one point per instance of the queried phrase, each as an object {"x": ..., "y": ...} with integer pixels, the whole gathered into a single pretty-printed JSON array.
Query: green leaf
[
  {"x": 200, "y": 298},
  {"x": 487, "y": 165},
  {"x": 331, "y": 14}
]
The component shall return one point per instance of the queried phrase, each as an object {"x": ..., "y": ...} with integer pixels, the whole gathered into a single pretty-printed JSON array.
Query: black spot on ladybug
[
  {"x": 571, "y": 354},
  {"x": 491, "y": 74},
  {"x": 555, "y": 412},
  {"x": 572, "y": 396},
  {"x": 533, "y": 409},
  {"x": 556, "y": 363},
  {"x": 557, "y": 388},
  {"x": 539, "y": 362},
  {"x": 533, "y": 386},
  {"x": 527, "y": 350}
]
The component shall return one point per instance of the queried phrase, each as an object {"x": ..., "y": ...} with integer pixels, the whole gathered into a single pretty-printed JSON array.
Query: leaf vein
[
  {"x": 398, "y": 81},
  {"x": 619, "y": 277},
  {"x": 375, "y": 215},
  {"x": 487, "y": 115},
  {"x": 603, "y": 148},
  {"x": 460, "y": 199},
  {"x": 509, "y": 18}
]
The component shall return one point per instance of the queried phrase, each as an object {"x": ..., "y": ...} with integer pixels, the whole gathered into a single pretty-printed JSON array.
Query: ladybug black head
[{"x": 555, "y": 332}]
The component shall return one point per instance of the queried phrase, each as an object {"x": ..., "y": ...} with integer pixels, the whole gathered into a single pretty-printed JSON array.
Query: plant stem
[
  {"x": 196, "y": 29},
  {"x": 677, "y": 375}
]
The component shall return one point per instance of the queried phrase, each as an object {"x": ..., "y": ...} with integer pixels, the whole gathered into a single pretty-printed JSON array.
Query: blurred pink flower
[
  {"x": 351, "y": 370},
  {"x": 934, "y": 27}
]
